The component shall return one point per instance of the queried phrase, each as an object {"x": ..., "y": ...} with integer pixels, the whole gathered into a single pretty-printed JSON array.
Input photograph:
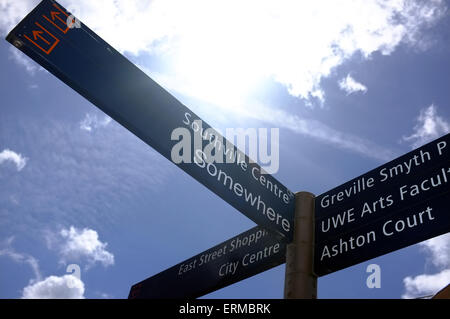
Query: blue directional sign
[
  {"x": 68, "y": 49},
  {"x": 393, "y": 206},
  {"x": 238, "y": 258}
]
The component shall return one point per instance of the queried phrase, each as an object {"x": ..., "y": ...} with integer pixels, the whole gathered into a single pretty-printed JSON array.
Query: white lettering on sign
[
  {"x": 242, "y": 191},
  {"x": 405, "y": 167},
  {"x": 357, "y": 187},
  {"x": 387, "y": 173},
  {"x": 390, "y": 227},
  {"x": 407, "y": 191},
  {"x": 230, "y": 267}
]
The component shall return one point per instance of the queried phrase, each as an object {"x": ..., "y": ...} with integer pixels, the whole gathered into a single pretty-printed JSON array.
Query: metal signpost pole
[{"x": 300, "y": 280}]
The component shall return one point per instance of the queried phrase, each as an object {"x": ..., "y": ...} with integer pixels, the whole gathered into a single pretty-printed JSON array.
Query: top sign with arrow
[{"x": 105, "y": 77}]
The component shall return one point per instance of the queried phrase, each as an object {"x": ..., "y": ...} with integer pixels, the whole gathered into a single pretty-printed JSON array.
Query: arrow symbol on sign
[
  {"x": 55, "y": 15},
  {"x": 37, "y": 34}
]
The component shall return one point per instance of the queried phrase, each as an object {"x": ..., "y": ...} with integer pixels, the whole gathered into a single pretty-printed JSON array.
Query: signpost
[
  {"x": 89, "y": 65},
  {"x": 238, "y": 258},
  {"x": 393, "y": 206}
]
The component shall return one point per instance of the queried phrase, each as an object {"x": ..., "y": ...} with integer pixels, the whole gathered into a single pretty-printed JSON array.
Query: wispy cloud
[
  {"x": 429, "y": 127},
  {"x": 438, "y": 251},
  {"x": 350, "y": 85},
  {"x": 22, "y": 60},
  {"x": 75, "y": 245},
  {"x": 55, "y": 287},
  {"x": 79, "y": 177},
  {"x": 92, "y": 121},
  {"x": 7, "y": 250},
  {"x": 323, "y": 133},
  {"x": 18, "y": 159}
]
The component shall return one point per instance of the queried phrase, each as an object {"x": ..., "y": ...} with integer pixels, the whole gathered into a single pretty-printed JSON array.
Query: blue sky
[{"x": 350, "y": 86}]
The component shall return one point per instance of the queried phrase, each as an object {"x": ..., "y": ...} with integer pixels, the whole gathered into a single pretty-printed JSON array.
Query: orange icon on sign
[
  {"x": 40, "y": 36},
  {"x": 57, "y": 21}
]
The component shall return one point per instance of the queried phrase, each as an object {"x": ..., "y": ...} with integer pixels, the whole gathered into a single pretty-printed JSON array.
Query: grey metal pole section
[{"x": 300, "y": 280}]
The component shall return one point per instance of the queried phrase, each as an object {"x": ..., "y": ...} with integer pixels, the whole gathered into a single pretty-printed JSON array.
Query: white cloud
[
  {"x": 91, "y": 122},
  {"x": 429, "y": 127},
  {"x": 20, "y": 258},
  {"x": 18, "y": 159},
  {"x": 425, "y": 285},
  {"x": 82, "y": 244},
  {"x": 23, "y": 60},
  {"x": 11, "y": 12},
  {"x": 68, "y": 286},
  {"x": 222, "y": 48},
  {"x": 438, "y": 251},
  {"x": 54, "y": 287},
  {"x": 350, "y": 85}
]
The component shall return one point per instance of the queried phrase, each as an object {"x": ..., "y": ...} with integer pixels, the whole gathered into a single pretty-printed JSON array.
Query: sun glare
[{"x": 220, "y": 55}]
